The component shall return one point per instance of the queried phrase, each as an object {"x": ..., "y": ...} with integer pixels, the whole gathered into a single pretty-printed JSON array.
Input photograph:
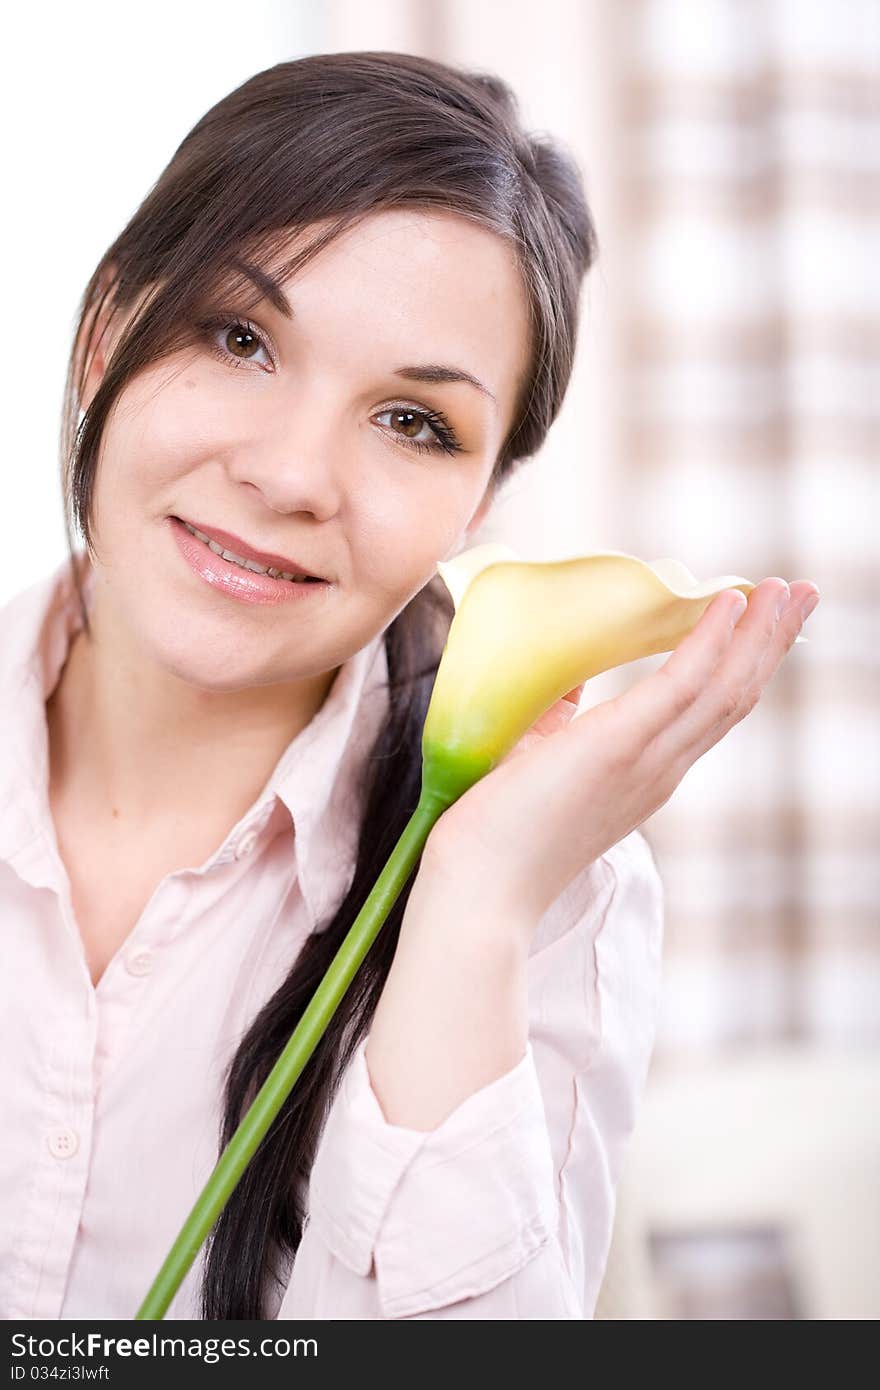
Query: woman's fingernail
[
  {"x": 808, "y": 605},
  {"x": 738, "y": 607},
  {"x": 782, "y": 601}
]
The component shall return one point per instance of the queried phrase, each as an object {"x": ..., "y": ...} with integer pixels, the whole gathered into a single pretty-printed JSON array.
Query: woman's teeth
[{"x": 248, "y": 564}]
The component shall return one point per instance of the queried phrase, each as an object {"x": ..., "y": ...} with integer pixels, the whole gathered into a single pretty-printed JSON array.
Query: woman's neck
[{"x": 131, "y": 741}]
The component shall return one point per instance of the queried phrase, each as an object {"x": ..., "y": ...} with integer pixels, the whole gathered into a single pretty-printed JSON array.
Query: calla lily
[{"x": 523, "y": 635}]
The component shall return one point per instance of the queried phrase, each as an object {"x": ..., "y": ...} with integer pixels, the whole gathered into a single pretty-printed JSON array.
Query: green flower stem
[{"x": 303, "y": 1041}]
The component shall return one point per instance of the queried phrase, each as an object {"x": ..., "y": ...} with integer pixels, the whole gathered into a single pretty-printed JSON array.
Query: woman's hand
[{"x": 573, "y": 787}]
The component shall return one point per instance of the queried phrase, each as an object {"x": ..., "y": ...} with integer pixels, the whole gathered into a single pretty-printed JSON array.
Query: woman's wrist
[
  {"x": 470, "y": 899},
  {"x": 453, "y": 1015}
]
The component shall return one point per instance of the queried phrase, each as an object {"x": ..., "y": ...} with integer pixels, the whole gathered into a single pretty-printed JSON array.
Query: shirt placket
[
  {"x": 83, "y": 1044},
  {"x": 126, "y": 980},
  {"x": 59, "y": 1171}
]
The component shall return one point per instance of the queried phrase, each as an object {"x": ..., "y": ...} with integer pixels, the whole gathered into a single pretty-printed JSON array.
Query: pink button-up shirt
[{"x": 110, "y": 1095}]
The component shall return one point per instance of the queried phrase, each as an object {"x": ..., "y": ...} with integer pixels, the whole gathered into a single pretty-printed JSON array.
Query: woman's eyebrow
[
  {"x": 271, "y": 290},
  {"x": 434, "y": 372},
  {"x": 268, "y": 286}
]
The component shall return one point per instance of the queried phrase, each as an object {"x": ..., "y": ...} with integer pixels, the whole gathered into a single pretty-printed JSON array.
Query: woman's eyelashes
[
  {"x": 239, "y": 335},
  {"x": 243, "y": 333},
  {"x": 444, "y": 436}
]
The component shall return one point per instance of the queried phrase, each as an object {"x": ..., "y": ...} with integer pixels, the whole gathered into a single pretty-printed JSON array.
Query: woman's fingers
[
  {"x": 655, "y": 705},
  {"x": 787, "y": 630},
  {"x": 715, "y": 675},
  {"x": 731, "y": 688},
  {"x": 739, "y": 681}
]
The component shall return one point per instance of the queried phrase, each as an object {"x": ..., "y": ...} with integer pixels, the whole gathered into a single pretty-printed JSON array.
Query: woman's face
[{"x": 297, "y": 437}]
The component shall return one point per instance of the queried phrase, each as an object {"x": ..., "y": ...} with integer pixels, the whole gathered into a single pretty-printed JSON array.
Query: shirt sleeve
[{"x": 505, "y": 1209}]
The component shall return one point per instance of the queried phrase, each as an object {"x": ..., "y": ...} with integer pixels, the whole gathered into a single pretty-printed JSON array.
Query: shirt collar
[{"x": 316, "y": 787}]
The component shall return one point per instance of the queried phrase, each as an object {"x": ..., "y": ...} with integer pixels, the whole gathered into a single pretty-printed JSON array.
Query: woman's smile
[{"x": 235, "y": 577}]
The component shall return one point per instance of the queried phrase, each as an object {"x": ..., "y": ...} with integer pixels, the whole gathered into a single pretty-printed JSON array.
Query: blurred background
[{"x": 724, "y": 410}]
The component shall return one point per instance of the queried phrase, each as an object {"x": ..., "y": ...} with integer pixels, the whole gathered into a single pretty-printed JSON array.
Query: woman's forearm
[{"x": 453, "y": 1015}]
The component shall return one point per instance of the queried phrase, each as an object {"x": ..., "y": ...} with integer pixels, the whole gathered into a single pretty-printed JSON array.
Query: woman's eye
[
  {"x": 421, "y": 429},
  {"x": 238, "y": 342}
]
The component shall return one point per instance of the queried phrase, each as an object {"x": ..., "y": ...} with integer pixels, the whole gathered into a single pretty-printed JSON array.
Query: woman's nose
[{"x": 294, "y": 471}]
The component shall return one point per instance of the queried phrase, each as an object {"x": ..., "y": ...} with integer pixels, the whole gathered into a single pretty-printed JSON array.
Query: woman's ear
[{"x": 96, "y": 341}]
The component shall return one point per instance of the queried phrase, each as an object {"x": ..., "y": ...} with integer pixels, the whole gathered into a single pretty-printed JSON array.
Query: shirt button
[
  {"x": 63, "y": 1143},
  {"x": 246, "y": 843},
  {"x": 139, "y": 962}
]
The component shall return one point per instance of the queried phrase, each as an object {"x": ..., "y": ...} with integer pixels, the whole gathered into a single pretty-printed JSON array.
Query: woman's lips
[
  {"x": 228, "y": 541},
  {"x": 245, "y": 585}
]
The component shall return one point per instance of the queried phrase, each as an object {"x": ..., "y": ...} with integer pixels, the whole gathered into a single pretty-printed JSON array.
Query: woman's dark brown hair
[{"x": 312, "y": 146}]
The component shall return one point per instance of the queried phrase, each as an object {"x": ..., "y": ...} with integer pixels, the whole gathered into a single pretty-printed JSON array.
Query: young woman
[{"x": 344, "y": 313}]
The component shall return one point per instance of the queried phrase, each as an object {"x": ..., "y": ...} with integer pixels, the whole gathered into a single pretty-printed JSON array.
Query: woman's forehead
[
  {"x": 423, "y": 282},
  {"x": 444, "y": 242}
]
